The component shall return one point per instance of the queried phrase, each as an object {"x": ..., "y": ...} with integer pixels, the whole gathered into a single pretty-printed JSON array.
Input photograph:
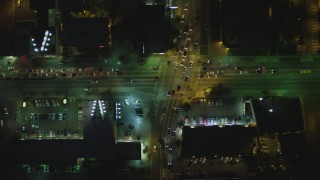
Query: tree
[
  {"x": 218, "y": 90},
  {"x": 107, "y": 95},
  {"x": 131, "y": 126},
  {"x": 101, "y": 7},
  {"x": 181, "y": 123},
  {"x": 186, "y": 107}
]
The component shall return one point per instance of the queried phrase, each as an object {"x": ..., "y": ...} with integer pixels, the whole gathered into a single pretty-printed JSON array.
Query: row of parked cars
[
  {"x": 199, "y": 160},
  {"x": 46, "y": 103},
  {"x": 66, "y": 72},
  {"x": 211, "y": 102},
  {"x": 44, "y": 168},
  {"x": 54, "y": 133},
  {"x": 194, "y": 161},
  {"x": 48, "y": 116},
  {"x": 215, "y": 120}
]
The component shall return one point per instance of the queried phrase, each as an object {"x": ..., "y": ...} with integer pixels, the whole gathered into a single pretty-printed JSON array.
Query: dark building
[
  {"x": 286, "y": 115},
  {"x": 293, "y": 145},
  {"x": 244, "y": 27},
  {"x": 152, "y": 33},
  {"x": 85, "y": 32}
]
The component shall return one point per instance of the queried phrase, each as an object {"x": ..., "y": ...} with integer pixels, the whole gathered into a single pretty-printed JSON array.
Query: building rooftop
[
  {"x": 153, "y": 35},
  {"x": 286, "y": 115},
  {"x": 210, "y": 141},
  {"x": 293, "y": 144},
  {"x": 85, "y": 32}
]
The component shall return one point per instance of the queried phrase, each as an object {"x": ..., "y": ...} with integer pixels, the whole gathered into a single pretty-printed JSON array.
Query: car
[
  {"x": 53, "y": 116},
  {"x": 195, "y": 161},
  {"x": 155, "y": 68},
  {"x": 186, "y": 78},
  {"x": 305, "y": 71},
  {"x": 168, "y": 131},
  {"x": 204, "y": 68},
  {"x": 169, "y": 93},
  {"x": 126, "y": 102},
  {"x": 203, "y": 161},
  {"x": 176, "y": 109},
  {"x": 60, "y": 117},
  {"x": 164, "y": 111},
  {"x": 178, "y": 87},
  {"x": 119, "y": 73},
  {"x": 258, "y": 71},
  {"x": 65, "y": 132},
  {"x": 5, "y": 110},
  {"x": 184, "y": 53},
  {"x": 64, "y": 116},
  {"x": 274, "y": 71},
  {"x": 205, "y": 121},
  {"x": 273, "y": 167},
  {"x": 186, "y": 28},
  {"x": 237, "y": 68},
  {"x": 35, "y": 126}
]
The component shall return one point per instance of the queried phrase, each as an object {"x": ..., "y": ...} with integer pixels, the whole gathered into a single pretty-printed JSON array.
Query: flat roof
[
  {"x": 85, "y": 32},
  {"x": 210, "y": 141},
  {"x": 286, "y": 115},
  {"x": 292, "y": 144},
  {"x": 39, "y": 151},
  {"x": 243, "y": 26},
  {"x": 128, "y": 151},
  {"x": 152, "y": 21}
]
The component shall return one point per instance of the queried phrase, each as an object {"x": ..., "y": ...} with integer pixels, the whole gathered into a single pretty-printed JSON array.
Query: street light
[{"x": 267, "y": 108}]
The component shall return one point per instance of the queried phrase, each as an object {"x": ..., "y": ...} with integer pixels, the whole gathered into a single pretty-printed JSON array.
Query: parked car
[{"x": 126, "y": 102}]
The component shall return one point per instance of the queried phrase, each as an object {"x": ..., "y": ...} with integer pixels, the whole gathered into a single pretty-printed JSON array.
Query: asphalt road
[{"x": 288, "y": 81}]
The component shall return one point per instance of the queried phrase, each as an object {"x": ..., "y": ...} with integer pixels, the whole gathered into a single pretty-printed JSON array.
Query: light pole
[{"x": 269, "y": 108}]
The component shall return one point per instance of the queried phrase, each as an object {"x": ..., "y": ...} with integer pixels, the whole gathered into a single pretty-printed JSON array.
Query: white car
[
  {"x": 126, "y": 102},
  {"x": 5, "y": 111}
]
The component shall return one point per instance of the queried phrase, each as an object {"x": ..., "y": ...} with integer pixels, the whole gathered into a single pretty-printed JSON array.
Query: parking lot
[
  {"x": 217, "y": 112},
  {"x": 49, "y": 118}
]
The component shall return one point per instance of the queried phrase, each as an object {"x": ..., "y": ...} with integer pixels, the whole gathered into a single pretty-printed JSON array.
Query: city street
[{"x": 162, "y": 85}]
